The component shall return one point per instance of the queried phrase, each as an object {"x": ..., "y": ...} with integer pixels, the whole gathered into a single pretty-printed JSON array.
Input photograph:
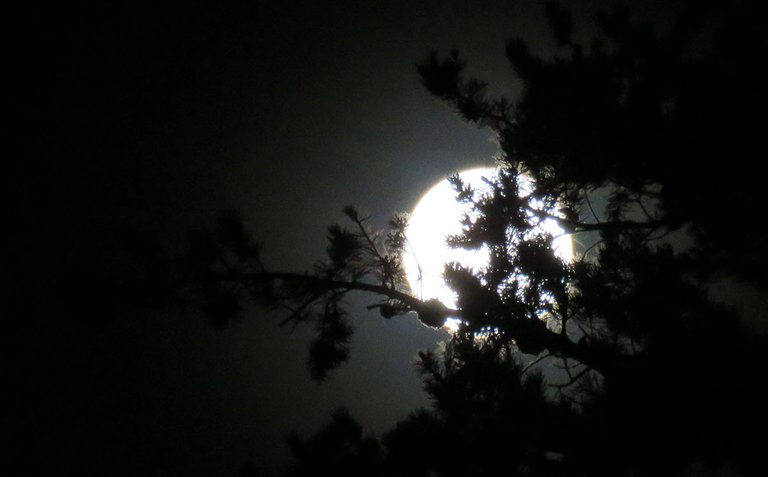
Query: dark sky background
[{"x": 154, "y": 119}]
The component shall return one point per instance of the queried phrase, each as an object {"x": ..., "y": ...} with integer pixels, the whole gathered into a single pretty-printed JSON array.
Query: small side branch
[
  {"x": 589, "y": 204},
  {"x": 535, "y": 362},
  {"x": 572, "y": 378},
  {"x": 572, "y": 226}
]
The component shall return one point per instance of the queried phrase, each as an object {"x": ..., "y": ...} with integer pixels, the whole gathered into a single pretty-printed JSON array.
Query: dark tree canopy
[{"x": 647, "y": 149}]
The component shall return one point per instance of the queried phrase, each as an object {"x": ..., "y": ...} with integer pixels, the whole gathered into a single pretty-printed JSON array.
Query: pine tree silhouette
[{"x": 636, "y": 146}]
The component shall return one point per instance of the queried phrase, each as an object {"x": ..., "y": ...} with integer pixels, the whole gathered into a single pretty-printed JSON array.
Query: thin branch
[
  {"x": 584, "y": 255},
  {"x": 368, "y": 239},
  {"x": 534, "y": 362},
  {"x": 567, "y": 367},
  {"x": 574, "y": 226},
  {"x": 589, "y": 204},
  {"x": 639, "y": 201},
  {"x": 419, "y": 270},
  {"x": 295, "y": 312},
  {"x": 330, "y": 284},
  {"x": 573, "y": 379}
]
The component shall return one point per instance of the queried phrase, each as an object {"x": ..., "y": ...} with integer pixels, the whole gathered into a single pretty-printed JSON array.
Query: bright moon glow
[{"x": 438, "y": 215}]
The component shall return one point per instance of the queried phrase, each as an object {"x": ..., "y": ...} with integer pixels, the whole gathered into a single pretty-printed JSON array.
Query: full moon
[{"x": 438, "y": 215}]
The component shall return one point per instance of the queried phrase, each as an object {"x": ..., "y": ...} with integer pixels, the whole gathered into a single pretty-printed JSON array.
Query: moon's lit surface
[{"x": 438, "y": 215}]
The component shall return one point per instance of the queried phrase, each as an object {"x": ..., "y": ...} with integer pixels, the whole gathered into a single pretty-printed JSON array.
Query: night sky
[{"x": 153, "y": 120}]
